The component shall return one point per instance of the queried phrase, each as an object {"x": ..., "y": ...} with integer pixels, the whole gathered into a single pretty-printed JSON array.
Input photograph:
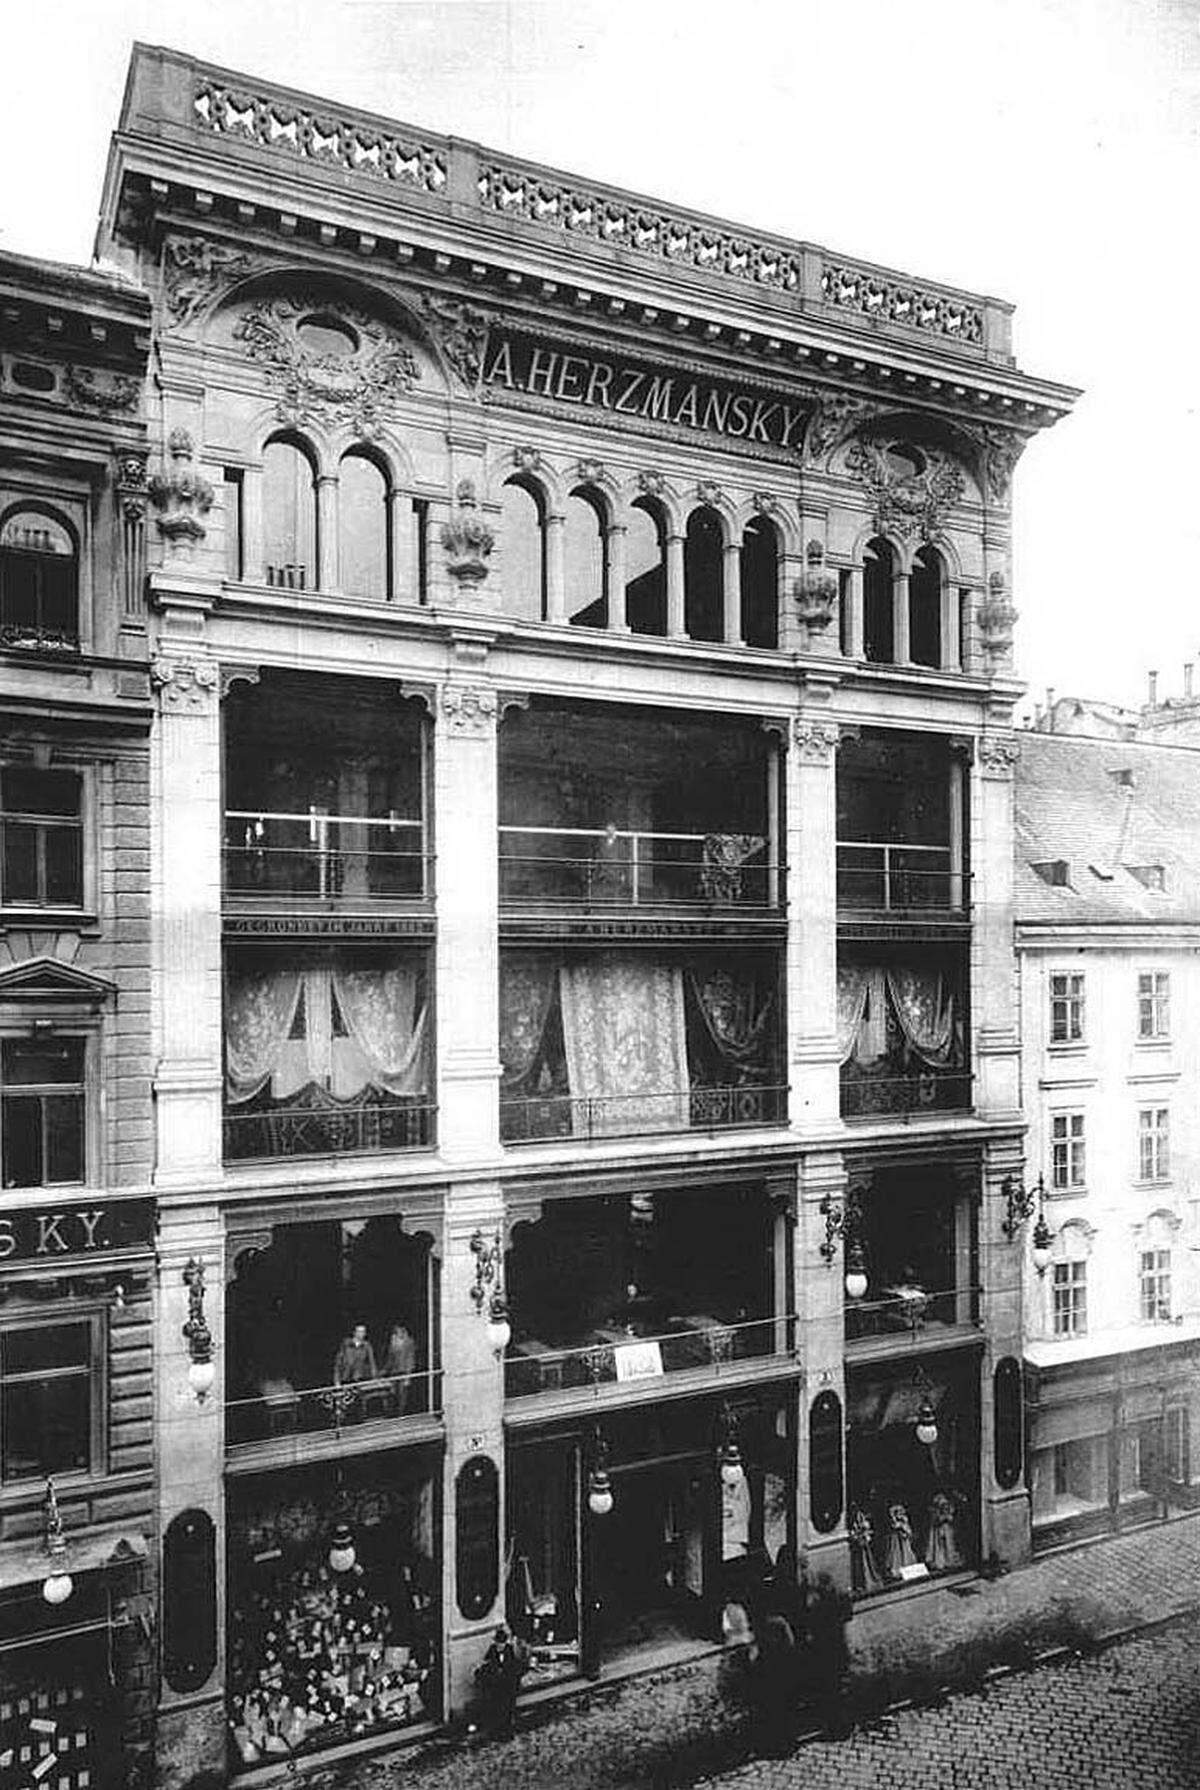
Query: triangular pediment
[{"x": 49, "y": 979}]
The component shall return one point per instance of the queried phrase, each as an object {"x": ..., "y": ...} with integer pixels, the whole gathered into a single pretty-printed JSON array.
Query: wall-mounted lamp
[
  {"x": 600, "y": 1497},
  {"x": 198, "y": 1336},
  {"x": 728, "y": 1452},
  {"x": 58, "y": 1583},
  {"x": 835, "y": 1224},
  {"x": 925, "y": 1427},
  {"x": 842, "y": 1224},
  {"x": 856, "y": 1270},
  {"x": 342, "y": 1552},
  {"x": 489, "y": 1259},
  {"x": 1019, "y": 1203}
]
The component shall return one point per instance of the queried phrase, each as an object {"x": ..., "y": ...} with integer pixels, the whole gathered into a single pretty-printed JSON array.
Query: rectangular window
[
  {"x": 42, "y": 1111},
  {"x": 1066, "y": 1009},
  {"x": 1070, "y": 1298},
  {"x": 1154, "y": 1004},
  {"x": 233, "y": 488},
  {"x": 41, "y": 821},
  {"x": 1067, "y": 1151},
  {"x": 1179, "y": 1466},
  {"x": 1154, "y": 1143},
  {"x": 49, "y": 1398},
  {"x": 1155, "y": 1284}
]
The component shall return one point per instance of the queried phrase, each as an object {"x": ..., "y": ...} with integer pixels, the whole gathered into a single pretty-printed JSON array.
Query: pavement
[{"x": 680, "y": 1726}]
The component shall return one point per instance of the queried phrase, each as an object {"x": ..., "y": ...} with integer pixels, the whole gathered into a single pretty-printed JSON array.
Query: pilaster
[
  {"x": 993, "y": 991},
  {"x": 812, "y": 922}
]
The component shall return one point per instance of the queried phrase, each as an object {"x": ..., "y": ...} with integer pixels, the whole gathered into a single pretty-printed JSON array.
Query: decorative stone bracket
[
  {"x": 182, "y": 496},
  {"x": 996, "y": 617},
  {"x": 185, "y": 683},
  {"x": 467, "y": 539},
  {"x": 816, "y": 589}
]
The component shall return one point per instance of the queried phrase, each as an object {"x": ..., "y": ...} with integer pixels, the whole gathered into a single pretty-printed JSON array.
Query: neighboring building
[
  {"x": 582, "y": 794},
  {"x": 77, "y": 1682},
  {"x": 1107, "y": 929},
  {"x": 1174, "y": 721}
]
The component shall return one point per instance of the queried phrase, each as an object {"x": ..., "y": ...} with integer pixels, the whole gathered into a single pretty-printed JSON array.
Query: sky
[{"x": 1044, "y": 151}]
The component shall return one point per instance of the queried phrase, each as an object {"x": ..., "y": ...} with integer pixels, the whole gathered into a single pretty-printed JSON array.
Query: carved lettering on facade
[
  {"x": 814, "y": 742},
  {"x": 362, "y": 366},
  {"x": 185, "y": 684},
  {"x": 468, "y": 709}
]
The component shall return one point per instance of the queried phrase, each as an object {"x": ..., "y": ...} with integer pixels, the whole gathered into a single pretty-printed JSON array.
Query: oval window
[
  {"x": 327, "y": 337},
  {"x": 32, "y": 378}
]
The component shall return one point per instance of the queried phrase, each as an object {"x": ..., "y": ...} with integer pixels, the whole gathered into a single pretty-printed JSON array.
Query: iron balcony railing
[
  {"x": 338, "y": 1128},
  {"x": 622, "y": 1354},
  {"x": 921, "y": 1091},
  {"x": 543, "y": 1117},
  {"x": 629, "y": 867},
  {"x": 280, "y": 1409},
  {"x": 336, "y": 858},
  {"x": 904, "y": 1310},
  {"x": 880, "y": 876}
]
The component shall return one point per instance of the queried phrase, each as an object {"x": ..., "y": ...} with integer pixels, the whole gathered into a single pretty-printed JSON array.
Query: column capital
[
  {"x": 814, "y": 741},
  {"x": 468, "y": 708},
  {"x": 185, "y": 684}
]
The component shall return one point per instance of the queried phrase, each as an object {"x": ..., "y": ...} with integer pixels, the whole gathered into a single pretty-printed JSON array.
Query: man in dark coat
[{"x": 829, "y": 1610}]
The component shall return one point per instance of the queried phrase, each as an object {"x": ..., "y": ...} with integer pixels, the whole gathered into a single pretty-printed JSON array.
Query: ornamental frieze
[
  {"x": 346, "y": 367},
  {"x": 460, "y": 331},
  {"x": 195, "y": 270},
  {"x": 109, "y": 393}
]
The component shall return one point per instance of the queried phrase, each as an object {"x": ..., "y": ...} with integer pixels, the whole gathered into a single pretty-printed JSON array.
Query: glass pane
[
  {"x": 27, "y": 791},
  {"x": 18, "y": 590},
  {"x": 59, "y": 609},
  {"x": 289, "y": 517},
  {"x": 45, "y": 1426},
  {"x": 523, "y": 558},
  {"x": 583, "y": 552},
  {"x": 30, "y": 1065},
  {"x": 20, "y": 863},
  {"x": 64, "y": 865},
  {"x": 37, "y": 1349},
  {"x": 362, "y": 497},
  {"x": 22, "y": 1141},
  {"x": 34, "y": 532},
  {"x": 64, "y": 1138}
]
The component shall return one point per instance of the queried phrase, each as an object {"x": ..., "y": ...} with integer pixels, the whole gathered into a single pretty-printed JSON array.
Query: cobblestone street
[{"x": 1129, "y": 1717}]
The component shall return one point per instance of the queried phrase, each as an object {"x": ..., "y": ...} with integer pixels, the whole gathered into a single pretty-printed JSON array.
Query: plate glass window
[
  {"x": 42, "y": 1111},
  {"x": 39, "y": 582},
  {"x": 1155, "y": 1286},
  {"x": 1070, "y": 1298},
  {"x": 1154, "y": 1005},
  {"x": 1066, "y": 1009},
  {"x": 1154, "y": 1143},
  {"x": 1067, "y": 1151},
  {"x": 46, "y": 1399},
  {"x": 41, "y": 823}
]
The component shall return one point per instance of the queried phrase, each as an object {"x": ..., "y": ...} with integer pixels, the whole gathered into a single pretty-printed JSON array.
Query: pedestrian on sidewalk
[
  {"x": 829, "y": 1610},
  {"x": 774, "y": 1688},
  {"x": 499, "y": 1679}
]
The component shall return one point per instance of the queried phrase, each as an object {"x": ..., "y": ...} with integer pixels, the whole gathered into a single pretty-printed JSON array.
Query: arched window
[
  {"x": 879, "y": 567},
  {"x": 523, "y": 518},
  {"x": 760, "y": 583},
  {"x": 703, "y": 576},
  {"x": 646, "y": 568},
  {"x": 39, "y": 581},
  {"x": 925, "y": 608},
  {"x": 584, "y": 560},
  {"x": 364, "y": 532},
  {"x": 289, "y": 515}
]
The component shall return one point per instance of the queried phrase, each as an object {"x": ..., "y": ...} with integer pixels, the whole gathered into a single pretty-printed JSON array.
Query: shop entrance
[{"x": 657, "y": 1558}]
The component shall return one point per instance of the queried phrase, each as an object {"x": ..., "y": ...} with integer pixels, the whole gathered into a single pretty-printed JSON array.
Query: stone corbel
[
  {"x": 467, "y": 539},
  {"x": 130, "y": 486},
  {"x": 182, "y": 496},
  {"x": 998, "y": 755},
  {"x": 238, "y": 674}
]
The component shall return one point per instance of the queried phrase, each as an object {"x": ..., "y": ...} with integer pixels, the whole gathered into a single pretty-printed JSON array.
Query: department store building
[{"x": 587, "y": 1063}]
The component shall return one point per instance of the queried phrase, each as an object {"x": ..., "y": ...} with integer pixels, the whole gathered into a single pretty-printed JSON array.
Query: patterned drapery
[
  {"x": 259, "y": 1010},
  {"x": 861, "y": 1013},
  {"x": 736, "y": 1010},
  {"x": 379, "y": 1007},
  {"x": 384, "y": 1049},
  {"x": 625, "y": 1043},
  {"x": 924, "y": 1008},
  {"x": 528, "y": 983}
]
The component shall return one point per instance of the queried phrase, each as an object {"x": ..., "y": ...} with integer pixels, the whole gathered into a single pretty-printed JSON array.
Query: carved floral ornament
[
  {"x": 131, "y": 484},
  {"x": 103, "y": 391},
  {"x": 345, "y": 366},
  {"x": 998, "y": 755},
  {"x": 182, "y": 495},
  {"x": 185, "y": 684},
  {"x": 906, "y": 503},
  {"x": 468, "y": 709}
]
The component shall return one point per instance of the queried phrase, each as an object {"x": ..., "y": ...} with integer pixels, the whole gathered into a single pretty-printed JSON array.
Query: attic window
[
  {"x": 1122, "y": 778},
  {"x": 1055, "y": 872},
  {"x": 1151, "y": 876}
]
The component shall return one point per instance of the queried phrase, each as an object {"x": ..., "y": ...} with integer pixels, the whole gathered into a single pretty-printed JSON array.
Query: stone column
[
  {"x": 465, "y": 802},
  {"x": 614, "y": 569},
  {"x": 820, "y": 1299},
  {"x": 854, "y": 613},
  {"x": 405, "y": 560},
  {"x": 1006, "y": 1516},
  {"x": 732, "y": 594},
  {"x": 951, "y": 643},
  {"x": 253, "y": 569},
  {"x": 186, "y": 904},
  {"x": 901, "y": 651},
  {"x": 812, "y": 924},
  {"x": 329, "y": 569},
  {"x": 556, "y": 575},
  {"x": 675, "y": 604}
]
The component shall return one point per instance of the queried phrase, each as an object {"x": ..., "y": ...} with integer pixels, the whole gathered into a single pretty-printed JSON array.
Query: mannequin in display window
[
  {"x": 398, "y": 1363},
  {"x": 900, "y": 1552},
  {"x": 942, "y": 1554}
]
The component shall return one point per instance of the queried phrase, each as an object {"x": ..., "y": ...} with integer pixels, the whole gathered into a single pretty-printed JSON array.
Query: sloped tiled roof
[{"x": 1102, "y": 805}]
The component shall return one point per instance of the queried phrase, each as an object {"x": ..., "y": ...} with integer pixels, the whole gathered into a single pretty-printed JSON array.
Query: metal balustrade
[
  {"x": 922, "y": 1091},
  {"x": 882, "y": 876},
  {"x": 329, "y": 1128},
  {"x": 281, "y": 1409},
  {"x": 324, "y": 857},
  {"x": 612, "y": 1355},
  {"x": 544, "y": 1117},
  {"x": 910, "y": 1310},
  {"x": 631, "y": 867}
]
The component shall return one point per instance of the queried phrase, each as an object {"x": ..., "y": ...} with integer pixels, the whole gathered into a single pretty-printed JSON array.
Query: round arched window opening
[
  {"x": 39, "y": 580},
  {"x": 289, "y": 515},
  {"x": 364, "y": 534},
  {"x": 523, "y": 523}
]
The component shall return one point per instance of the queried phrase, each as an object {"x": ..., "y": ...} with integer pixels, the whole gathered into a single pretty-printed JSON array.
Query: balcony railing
[
  {"x": 314, "y": 856},
  {"x": 281, "y": 1409},
  {"x": 615, "y": 1356},
  {"x": 910, "y": 1310},
  {"x": 924, "y": 1091},
  {"x": 548, "y": 1116},
  {"x": 617, "y": 868},
  {"x": 886, "y": 878},
  {"x": 338, "y": 1128}
]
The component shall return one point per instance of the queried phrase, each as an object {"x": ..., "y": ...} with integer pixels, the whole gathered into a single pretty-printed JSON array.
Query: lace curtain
[
  {"x": 625, "y": 1044},
  {"x": 527, "y": 989},
  {"x": 924, "y": 1008},
  {"x": 380, "y": 1011},
  {"x": 736, "y": 1011},
  {"x": 861, "y": 1013},
  {"x": 259, "y": 1011},
  {"x": 385, "y": 1047}
]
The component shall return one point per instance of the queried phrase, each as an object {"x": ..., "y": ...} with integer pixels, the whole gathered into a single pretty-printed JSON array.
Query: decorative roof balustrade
[{"x": 274, "y": 123}]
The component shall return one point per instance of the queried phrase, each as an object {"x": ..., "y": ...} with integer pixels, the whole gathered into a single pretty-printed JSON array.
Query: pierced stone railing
[
  {"x": 320, "y": 137},
  {"x": 849, "y": 286}
]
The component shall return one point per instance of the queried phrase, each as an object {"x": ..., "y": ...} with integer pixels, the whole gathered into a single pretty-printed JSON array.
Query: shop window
[
  {"x": 1154, "y": 1143},
  {"x": 41, "y": 819},
  {"x": 289, "y": 498},
  {"x": 1069, "y": 1295},
  {"x": 42, "y": 1111},
  {"x": 879, "y": 572},
  {"x": 39, "y": 581},
  {"x": 585, "y": 559},
  {"x": 50, "y": 1407},
  {"x": 646, "y": 568},
  {"x": 523, "y": 522},
  {"x": 1067, "y": 1152},
  {"x": 760, "y": 583},
  {"x": 1154, "y": 1005},
  {"x": 542, "y": 1594},
  {"x": 1154, "y": 1285},
  {"x": 1066, "y": 1008},
  {"x": 1070, "y": 1479},
  {"x": 330, "y": 1326},
  {"x": 364, "y": 527},
  {"x": 902, "y": 1033},
  {"x": 925, "y": 608},
  {"x": 704, "y": 576},
  {"x": 915, "y": 1233}
]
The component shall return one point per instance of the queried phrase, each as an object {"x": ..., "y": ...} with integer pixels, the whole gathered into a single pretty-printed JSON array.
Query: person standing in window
[{"x": 398, "y": 1363}]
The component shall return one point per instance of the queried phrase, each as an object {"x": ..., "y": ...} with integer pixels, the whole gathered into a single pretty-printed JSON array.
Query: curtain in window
[
  {"x": 527, "y": 989},
  {"x": 736, "y": 1010},
  {"x": 861, "y": 1013},
  {"x": 924, "y": 1008},
  {"x": 625, "y": 1044},
  {"x": 259, "y": 1010},
  {"x": 379, "y": 1007}
]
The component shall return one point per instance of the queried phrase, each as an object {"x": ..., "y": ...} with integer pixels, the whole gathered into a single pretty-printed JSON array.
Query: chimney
[
  {"x": 1187, "y": 681},
  {"x": 1153, "y": 681}
]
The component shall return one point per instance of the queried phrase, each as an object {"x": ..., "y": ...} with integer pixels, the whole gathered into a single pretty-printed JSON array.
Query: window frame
[
  {"x": 1154, "y": 1284},
  {"x": 71, "y": 518},
  {"x": 95, "y": 1316},
  {"x": 1068, "y": 1151},
  {"x": 1154, "y": 1145},
  {"x": 1068, "y": 1313},
  {"x": 1153, "y": 1006},
  {"x": 1071, "y": 999},
  {"x": 88, "y": 1101},
  {"x": 86, "y": 905}
]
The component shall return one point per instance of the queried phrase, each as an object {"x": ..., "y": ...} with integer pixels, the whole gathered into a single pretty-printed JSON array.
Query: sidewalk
[{"x": 669, "y": 1728}]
